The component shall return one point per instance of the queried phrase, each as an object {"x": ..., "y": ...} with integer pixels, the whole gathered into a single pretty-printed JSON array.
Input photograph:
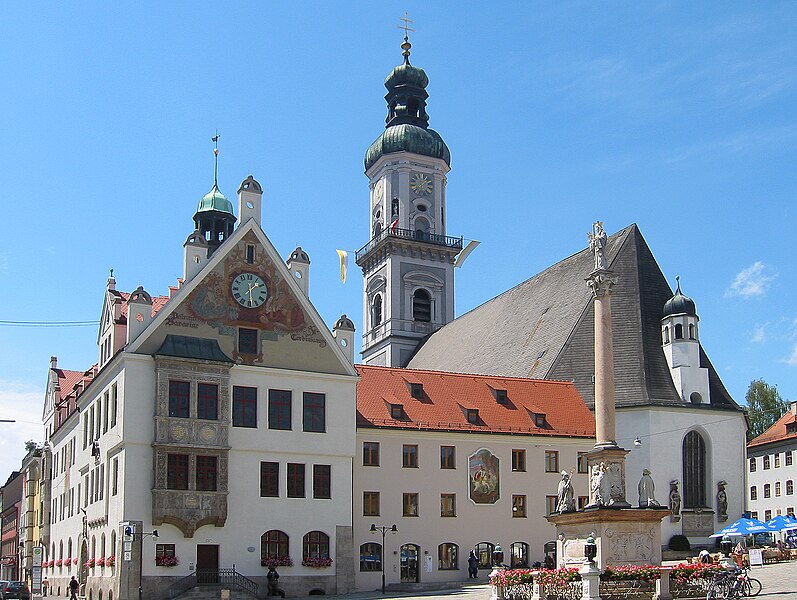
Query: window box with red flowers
[
  {"x": 90, "y": 563},
  {"x": 59, "y": 562},
  {"x": 167, "y": 561},
  {"x": 276, "y": 561},
  {"x": 100, "y": 562},
  {"x": 317, "y": 562},
  {"x": 75, "y": 560},
  {"x": 110, "y": 561}
]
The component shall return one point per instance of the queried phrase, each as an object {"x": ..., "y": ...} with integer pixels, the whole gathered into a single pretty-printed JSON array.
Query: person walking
[
  {"x": 73, "y": 588},
  {"x": 473, "y": 566},
  {"x": 45, "y": 584}
]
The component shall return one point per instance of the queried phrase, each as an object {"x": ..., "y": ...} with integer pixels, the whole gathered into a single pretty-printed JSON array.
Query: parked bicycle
[{"x": 733, "y": 584}]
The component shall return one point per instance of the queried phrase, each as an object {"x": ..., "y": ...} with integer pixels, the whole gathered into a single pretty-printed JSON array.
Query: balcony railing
[{"x": 408, "y": 234}]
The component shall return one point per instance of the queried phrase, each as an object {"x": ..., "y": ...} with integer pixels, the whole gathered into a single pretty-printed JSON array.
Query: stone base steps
[{"x": 213, "y": 592}]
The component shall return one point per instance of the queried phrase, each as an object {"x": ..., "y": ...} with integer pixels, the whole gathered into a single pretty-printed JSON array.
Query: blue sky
[{"x": 681, "y": 118}]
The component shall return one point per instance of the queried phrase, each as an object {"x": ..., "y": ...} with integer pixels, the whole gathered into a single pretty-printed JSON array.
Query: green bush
[{"x": 679, "y": 542}]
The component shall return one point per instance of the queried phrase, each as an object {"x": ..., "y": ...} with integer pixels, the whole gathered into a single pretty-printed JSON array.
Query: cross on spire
[
  {"x": 215, "y": 140},
  {"x": 405, "y": 47}
]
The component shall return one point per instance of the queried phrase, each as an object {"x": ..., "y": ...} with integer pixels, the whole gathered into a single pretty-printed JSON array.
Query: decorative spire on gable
[{"x": 214, "y": 217}]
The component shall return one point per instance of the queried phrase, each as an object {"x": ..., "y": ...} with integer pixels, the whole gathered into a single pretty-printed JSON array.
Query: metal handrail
[
  {"x": 409, "y": 234},
  {"x": 212, "y": 577}
]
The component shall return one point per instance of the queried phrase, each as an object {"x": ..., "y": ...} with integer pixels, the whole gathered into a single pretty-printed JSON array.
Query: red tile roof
[
  {"x": 777, "y": 432},
  {"x": 158, "y": 302},
  {"x": 447, "y": 397}
]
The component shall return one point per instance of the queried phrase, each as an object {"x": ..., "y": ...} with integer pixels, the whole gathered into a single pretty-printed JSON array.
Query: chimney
[
  {"x": 250, "y": 199},
  {"x": 299, "y": 266},
  {"x": 53, "y": 362},
  {"x": 139, "y": 313},
  {"x": 343, "y": 332}
]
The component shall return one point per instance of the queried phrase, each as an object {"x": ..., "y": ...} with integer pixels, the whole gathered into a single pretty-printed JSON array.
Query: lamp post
[
  {"x": 383, "y": 529},
  {"x": 131, "y": 532}
]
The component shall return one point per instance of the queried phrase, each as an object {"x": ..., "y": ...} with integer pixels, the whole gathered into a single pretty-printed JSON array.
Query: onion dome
[
  {"x": 344, "y": 323},
  {"x": 299, "y": 255},
  {"x": 407, "y": 123},
  {"x": 215, "y": 200},
  {"x": 679, "y": 304}
]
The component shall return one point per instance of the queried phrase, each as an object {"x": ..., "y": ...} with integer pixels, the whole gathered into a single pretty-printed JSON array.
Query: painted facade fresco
[{"x": 483, "y": 477}]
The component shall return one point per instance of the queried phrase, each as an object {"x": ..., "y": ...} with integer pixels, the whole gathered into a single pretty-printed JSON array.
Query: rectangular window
[
  {"x": 206, "y": 473},
  {"x": 279, "y": 409},
  {"x": 322, "y": 481},
  {"x": 295, "y": 480},
  {"x": 752, "y": 464},
  {"x": 397, "y": 412},
  {"x": 85, "y": 431},
  {"x": 247, "y": 340},
  {"x": 767, "y": 515},
  {"x": 767, "y": 491},
  {"x": 314, "y": 412},
  {"x": 754, "y": 515},
  {"x": 115, "y": 485},
  {"x": 519, "y": 506},
  {"x": 250, "y": 254},
  {"x": 409, "y": 456},
  {"x": 550, "y": 504},
  {"x": 371, "y": 504},
  {"x": 416, "y": 390},
  {"x": 582, "y": 502},
  {"x": 447, "y": 457},
  {"x": 269, "y": 479},
  {"x": 519, "y": 460},
  {"x": 789, "y": 487},
  {"x": 777, "y": 489},
  {"x": 113, "y": 405},
  {"x": 370, "y": 454},
  {"x": 777, "y": 460},
  {"x": 177, "y": 472},
  {"x": 165, "y": 555},
  {"x": 766, "y": 462},
  {"x": 753, "y": 492},
  {"x": 99, "y": 420},
  {"x": 581, "y": 462},
  {"x": 539, "y": 420},
  {"x": 448, "y": 505},
  {"x": 788, "y": 458},
  {"x": 473, "y": 416},
  {"x": 244, "y": 406},
  {"x": 179, "y": 398},
  {"x": 410, "y": 505},
  {"x": 105, "y": 413},
  {"x": 207, "y": 401},
  {"x": 551, "y": 461}
]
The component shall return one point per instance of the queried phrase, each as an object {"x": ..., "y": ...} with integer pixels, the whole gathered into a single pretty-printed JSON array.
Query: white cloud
[
  {"x": 752, "y": 281},
  {"x": 759, "y": 334},
  {"x": 792, "y": 360},
  {"x": 21, "y": 402}
]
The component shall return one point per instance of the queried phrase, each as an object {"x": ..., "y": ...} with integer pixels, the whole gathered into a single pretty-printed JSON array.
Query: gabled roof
[
  {"x": 544, "y": 328},
  {"x": 447, "y": 397},
  {"x": 777, "y": 433}
]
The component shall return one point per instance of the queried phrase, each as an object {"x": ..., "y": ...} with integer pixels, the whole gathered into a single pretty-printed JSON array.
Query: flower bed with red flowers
[
  {"x": 167, "y": 561},
  {"x": 276, "y": 561},
  {"x": 631, "y": 573},
  {"x": 316, "y": 563}
]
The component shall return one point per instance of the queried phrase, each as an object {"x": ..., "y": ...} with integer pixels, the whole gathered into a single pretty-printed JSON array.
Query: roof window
[
  {"x": 416, "y": 390},
  {"x": 501, "y": 397},
  {"x": 539, "y": 419},
  {"x": 397, "y": 412},
  {"x": 791, "y": 428},
  {"x": 473, "y": 416}
]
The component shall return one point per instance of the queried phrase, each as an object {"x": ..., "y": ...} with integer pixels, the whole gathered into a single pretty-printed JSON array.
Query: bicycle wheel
[
  {"x": 718, "y": 590},
  {"x": 752, "y": 587}
]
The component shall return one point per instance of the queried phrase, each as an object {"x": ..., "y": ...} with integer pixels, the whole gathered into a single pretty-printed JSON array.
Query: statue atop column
[
  {"x": 597, "y": 243},
  {"x": 566, "y": 501}
]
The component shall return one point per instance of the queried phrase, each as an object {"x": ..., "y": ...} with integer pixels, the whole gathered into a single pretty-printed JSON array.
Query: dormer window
[
  {"x": 473, "y": 416},
  {"x": 397, "y": 412},
  {"x": 539, "y": 419},
  {"x": 501, "y": 397},
  {"x": 416, "y": 390},
  {"x": 791, "y": 428}
]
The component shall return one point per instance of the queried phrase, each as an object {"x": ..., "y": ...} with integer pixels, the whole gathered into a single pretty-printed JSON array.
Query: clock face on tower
[
  {"x": 378, "y": 190},
  {"x": 421, "y": 184},
  {"x": 249, "y": 290}
]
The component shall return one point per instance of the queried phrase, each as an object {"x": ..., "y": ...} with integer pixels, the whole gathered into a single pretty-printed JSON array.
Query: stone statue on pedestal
[
  {"x": 646, "y": 489},
  {"x": 597, "y": 243},
  {"x": 675, "y": 502},
  {"x": 598, "y": 494},
  {"x": 722, "y": 502},
  {"x": 566, "y": 501}
]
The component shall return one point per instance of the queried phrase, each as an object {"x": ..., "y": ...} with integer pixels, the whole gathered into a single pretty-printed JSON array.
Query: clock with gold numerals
[
  {"x": 421, "y": 184},
  {"x": 249, "y": 290}
]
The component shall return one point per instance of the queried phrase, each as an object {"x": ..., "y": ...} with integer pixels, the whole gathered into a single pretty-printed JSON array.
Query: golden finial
[{"x": 405, "y": 47}]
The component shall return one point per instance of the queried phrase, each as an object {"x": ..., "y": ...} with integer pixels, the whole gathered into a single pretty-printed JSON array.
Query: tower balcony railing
[{"x": 454, "y": 243}]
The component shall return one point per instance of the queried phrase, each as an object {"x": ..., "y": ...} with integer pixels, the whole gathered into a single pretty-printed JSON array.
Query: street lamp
[
  {"x": 131, "y": 532},
  {"x": 383, "y": 529}
]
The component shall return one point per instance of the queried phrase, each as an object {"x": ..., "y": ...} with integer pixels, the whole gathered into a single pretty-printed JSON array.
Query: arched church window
[
  {"x": 679, "y": 331},
  {"x": 694, "y": 470},
  {"x": 376, "y": 312},
  {"x": 421, "y": 228},
  {"x": 377, "y": 228},
  {"x": 667, "y": 335},
  {"x": 422, "y": 306},
  {"x": 692, "y": 331},
  {"x": 412, "y": 107}
]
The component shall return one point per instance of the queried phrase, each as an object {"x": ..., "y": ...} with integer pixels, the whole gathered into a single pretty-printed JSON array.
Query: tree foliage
[{"x": 765, "y": 406}]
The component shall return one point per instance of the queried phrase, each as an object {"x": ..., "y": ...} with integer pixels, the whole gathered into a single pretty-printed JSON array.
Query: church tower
[
  {"x": 681, "y": 344},
  {"x": 214, "y": 218},
  {"x": 408, "y": 264}
]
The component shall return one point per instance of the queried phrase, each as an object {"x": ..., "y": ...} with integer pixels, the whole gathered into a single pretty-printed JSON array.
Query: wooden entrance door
[
  {"x": 409, "y": 563},
  {"x": 207, "y": 563}
]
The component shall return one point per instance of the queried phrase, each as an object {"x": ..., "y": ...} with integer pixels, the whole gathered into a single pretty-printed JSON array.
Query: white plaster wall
[
  {"x": 662, "y": 430},
  {"x": 783, "y": 503},
  {"x": 473, "y": 523}
]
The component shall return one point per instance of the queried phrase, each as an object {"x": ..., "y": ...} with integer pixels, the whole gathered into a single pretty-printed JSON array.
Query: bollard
[
  {"x": 590, "y": 581},
  {"x": 663, "y": 585}
]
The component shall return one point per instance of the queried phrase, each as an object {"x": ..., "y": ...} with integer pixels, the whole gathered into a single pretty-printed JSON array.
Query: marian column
[{"x": 607, "y": 461}]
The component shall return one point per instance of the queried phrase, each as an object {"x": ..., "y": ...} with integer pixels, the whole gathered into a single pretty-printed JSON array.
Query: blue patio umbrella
[
  {"x": 781, "y": 523},
  {"x": 743, "y": 527}
]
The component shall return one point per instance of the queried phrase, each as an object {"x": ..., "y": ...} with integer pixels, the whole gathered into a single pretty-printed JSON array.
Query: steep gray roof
[{"x": 544, "y": 328}]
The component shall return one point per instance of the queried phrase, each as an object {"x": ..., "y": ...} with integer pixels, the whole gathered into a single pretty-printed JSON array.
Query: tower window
[
  {"x": 679, "y": 331},
  {"x": 692, "y": 331},
  {"x": 666, "y": 335},
  {"x": 376, "y": 314},
  {"x": 377, "y": 228},
  {"x": 250, "y": 253},
  {"x": 421, "y": 228},
  {"x": 422, "y": 306},
  {"x": 695, "y": 398}
]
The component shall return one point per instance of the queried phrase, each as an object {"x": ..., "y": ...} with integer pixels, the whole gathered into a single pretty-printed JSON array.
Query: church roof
[
  {"x": 529, "y": 406},
  {"x": 544, "y": 328},
  {"x": 778, "y": 432}
]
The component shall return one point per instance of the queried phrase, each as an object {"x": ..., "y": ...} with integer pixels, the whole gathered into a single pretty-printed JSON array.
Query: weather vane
[{"x": 215, "y": 140}]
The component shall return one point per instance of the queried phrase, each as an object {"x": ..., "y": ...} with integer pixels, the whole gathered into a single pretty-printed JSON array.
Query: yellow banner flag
[{"x": 344, "y": 263}]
